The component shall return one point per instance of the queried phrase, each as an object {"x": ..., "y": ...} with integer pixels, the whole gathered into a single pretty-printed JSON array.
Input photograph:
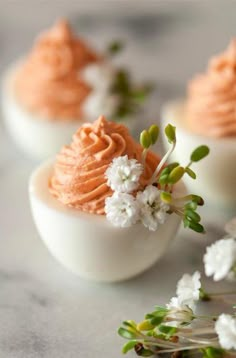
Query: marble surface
[{"x": 44, "y": 310}]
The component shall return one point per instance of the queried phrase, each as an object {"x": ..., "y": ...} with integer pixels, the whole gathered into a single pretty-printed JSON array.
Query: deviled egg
[
  {"x": 72, "y": 209},
  {"x": 59, "y": 85},
  {"x": 208, "y": 116}
]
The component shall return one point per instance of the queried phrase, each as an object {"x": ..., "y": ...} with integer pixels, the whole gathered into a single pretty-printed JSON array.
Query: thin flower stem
[
  {"x": 183, "y": 199},
  {"x": 200, "y": 341},
  {"x": 210, "y": 317},
  {"x": 162, "y": 163},
  {"x": 189, "y": 164},
  {"x": 184, "y": 348},
  {"x": 144, "y": 156},
  {"x": 177, "y": 211},
  {"x": 196, "y": 331},
  {"x": 157, "y": 341}
]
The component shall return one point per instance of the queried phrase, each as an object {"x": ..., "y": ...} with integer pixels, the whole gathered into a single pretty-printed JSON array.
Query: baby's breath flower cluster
[
  {"x": 131, "y": 203},
  {"x": 176, "y": 329},
  {"x": 220, "y": 257},
  {"x": 112, "y": 91}
]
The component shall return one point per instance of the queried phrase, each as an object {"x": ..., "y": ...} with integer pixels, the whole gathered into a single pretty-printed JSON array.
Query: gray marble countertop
[{"x": 46, "y": 311}]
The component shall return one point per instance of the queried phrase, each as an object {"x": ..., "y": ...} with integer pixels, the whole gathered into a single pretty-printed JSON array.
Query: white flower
[
  {"x": 230, "y": 228},
  {"x": 219, "y": 259},
  {"x": 98, "y": 103},
  {"x": 123, "y": 174},
  {"x": 99, "y": 76},
  {"x": 188, "y": 288},
  {"x": 121, "y": 209},
  {"x": 226, "y": 329},
  {"x": 179, "y": 312},
  {"x": 152, "y": 209}
]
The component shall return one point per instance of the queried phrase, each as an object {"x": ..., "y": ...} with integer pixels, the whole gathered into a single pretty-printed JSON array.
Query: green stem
[
  {"x": 211, "y": 317},
  {"x": 144, "y": 155},
  {"x": 177, "y": 211},
  {"x": 208, "y": 342},
  {"x": 162, "y": 163},
  {"x": 183, "y": 199},
  {"x": 196, "y": 332},
  {"x": 189, "y": 164},
  {"x": 192, "y": 347}
]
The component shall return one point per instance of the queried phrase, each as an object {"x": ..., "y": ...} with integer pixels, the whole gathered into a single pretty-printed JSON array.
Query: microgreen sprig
[
  {"x": 176, "y": 330},
  {"x": 131, "y": 96},
  {"x": 166, "y": 176},
  {"x": 154, "y": 336}
]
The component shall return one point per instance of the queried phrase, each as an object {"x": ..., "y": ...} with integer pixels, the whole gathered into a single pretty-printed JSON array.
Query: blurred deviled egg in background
[{"x": 59, "y": 85}]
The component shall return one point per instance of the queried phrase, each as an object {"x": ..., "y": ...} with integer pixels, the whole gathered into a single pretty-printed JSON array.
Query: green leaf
[
  {"x": 165, "y": 171},
  {"x": 172, "y": 165},
  {"x": 198, "y": 199},
  {"x": 212, "y": 352},
  {"x": 138, "y": 95},
  {"x": 192, "y": 205},
  {"x": 122, "y": 83},
  {"x": 145, "y": 325},
  {"x": 115, "y": 47},
  {"x": 193, "y": 215},
  {"x": 143, "y": 352},
  {"x": 128, "y": 346},
  {"x": 175, "y": 175},
  {"x": 186, "y": 222},
  {"x": 130, "y": 324},
  {"x": 167, "y": 330},
  {"x": 163, "y": 179},
  {"x": 159, "y": 312},
  {"x": 170, "y": 133},
  {"x": 196, "y": 227},
  {"x": 156, "y": 321},
  {"x": 166, "y": 197},
  {"x": 126, "y": 333},
  {"x": 190, "y": 172},
  {"x": 147, "y": 353},
  {"x": 199, "y": 153},
  {"x": 145, "y": 139},
  {"x": 159, "y": 309},
  {"x": 154, "y": 133}
]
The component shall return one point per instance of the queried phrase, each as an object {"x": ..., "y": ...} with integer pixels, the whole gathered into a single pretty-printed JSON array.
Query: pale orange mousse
[
  {"x": 79, "y": 180},
  {"x": 211, "y": 103},
  {"x": 49, "y": 82}
]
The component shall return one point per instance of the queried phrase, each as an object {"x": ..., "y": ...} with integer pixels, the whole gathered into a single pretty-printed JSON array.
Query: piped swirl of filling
[
  {"x": 49, "y": 83},
  {"x": 211, "y": 105},
  {"x": 79, "y": 173}
]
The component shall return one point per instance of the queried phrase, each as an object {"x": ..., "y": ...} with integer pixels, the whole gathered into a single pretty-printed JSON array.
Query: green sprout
[
  {"x": 166, "y": 176},
  {"x": 145, "y": 139},
  {"x": 154, "y": 133},
  {"x": 131, "y": 96},
  {"x": 156, "y": 336}
]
